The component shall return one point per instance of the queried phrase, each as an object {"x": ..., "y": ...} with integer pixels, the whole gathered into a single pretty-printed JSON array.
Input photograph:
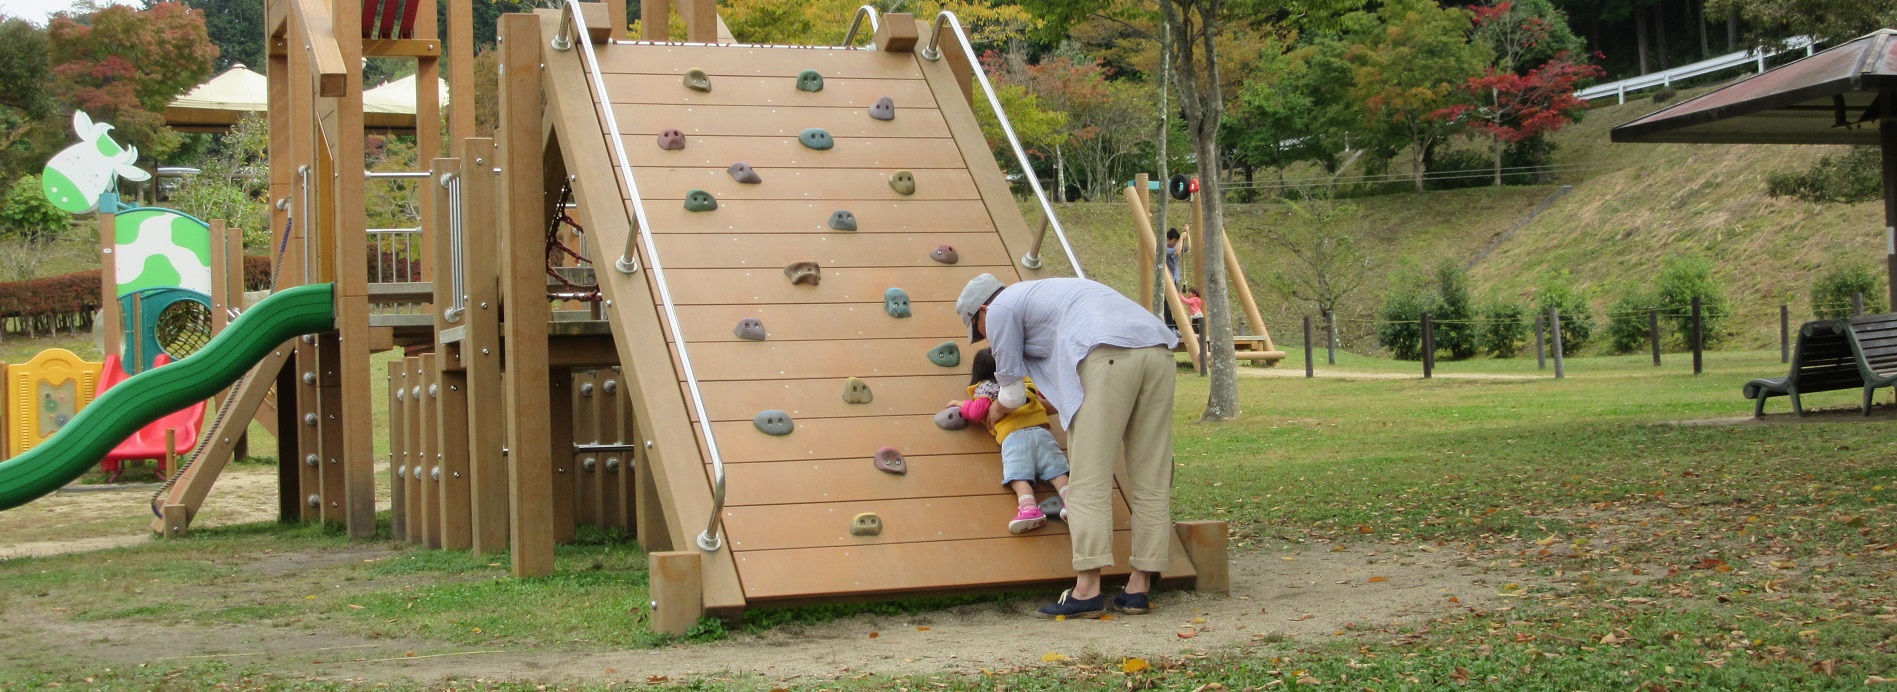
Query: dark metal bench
[{"x": 1832, "y": 355}]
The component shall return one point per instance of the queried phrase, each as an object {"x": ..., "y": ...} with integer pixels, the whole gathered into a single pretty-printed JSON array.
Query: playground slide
[
  {"x": 149, "y": 441},
  {"x": 148, "y": 396}
]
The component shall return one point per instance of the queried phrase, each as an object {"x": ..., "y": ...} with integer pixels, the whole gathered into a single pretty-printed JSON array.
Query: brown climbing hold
[
  {"x": 697, "y": 80},
  {"x": 903, "y": 182},
  {"x": 889, "y": 460},
  {"x": 885, "y": 109},
  {"x": 945, "y": 254},
  {"x": 743, "y": 173},
  {"x": 671, "y": 139},
  {"x": 749, "y": 329},
  {"x": 856, "y": 391},
  {"x": 804, "y": 273},
  {"x": 866, "y": 524}
]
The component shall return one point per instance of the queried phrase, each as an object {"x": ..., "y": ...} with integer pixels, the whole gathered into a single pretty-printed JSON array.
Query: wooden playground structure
[
  {"x": 571, "y": 357},
  {"x": 1252, "y": 347}
]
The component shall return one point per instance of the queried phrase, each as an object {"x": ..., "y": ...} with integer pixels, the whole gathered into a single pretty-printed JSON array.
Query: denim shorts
[{"x": 1031, "y": 454}]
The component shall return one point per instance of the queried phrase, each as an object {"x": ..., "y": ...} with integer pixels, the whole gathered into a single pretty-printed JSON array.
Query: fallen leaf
[
  {"x": 1186, "y": 634},
  {"x": 1609, "y": 638},
  {"x": 1377, "y": 580},
  {"x": 1106, "y": 617},
  {"x": 1827, "y": 667},
  {"x": 1547, "y": 541},
  {"x": 1308, "y": 680},
  {"x": 610, "y": 671},
  {"x": 1453, "y": 599},
  {"x": 408, "y": 654},
  {"x": 874, "y": 635},
  {"x": 476, "y": 630},
  {"x": 1782, "y": 564},
  {"x": 1198, "y": 621},
  {"x": 922, "y": 629},
  {"x": 1286, "y": 558},
  {"x": 656, "y": 679},
  {"x": 357, "y": 607},
  {"x": 1134, "y": 665},
  {"x": 1053, "y": 656},
  {"x": 1302, "y": 618},
  {"x": 1879, "y": 680},
  {"x": 1365, "y": 528},
  {"x": 1460, "y": 674}
]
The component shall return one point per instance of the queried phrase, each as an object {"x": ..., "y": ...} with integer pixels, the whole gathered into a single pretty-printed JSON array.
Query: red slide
[{"x": 149, "y": 442}]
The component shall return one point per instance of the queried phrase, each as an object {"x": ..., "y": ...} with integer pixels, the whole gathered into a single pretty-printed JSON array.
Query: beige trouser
[{"x": 1126, "y": 407}]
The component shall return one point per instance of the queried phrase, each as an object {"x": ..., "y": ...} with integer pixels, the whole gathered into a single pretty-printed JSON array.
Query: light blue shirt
[{"x": 1042, "y": 329}]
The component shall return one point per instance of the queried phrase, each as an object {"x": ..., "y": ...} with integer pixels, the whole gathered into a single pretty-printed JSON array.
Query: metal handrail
[
  {"x": 932, "y": 52},
  {"x": 571, "y": 23},
  {"x": 856, "y": 22},
  {"x": 457, "y": 274},
  {"x": 394, "y": 175},
  {"x": 303, "y": 182}
]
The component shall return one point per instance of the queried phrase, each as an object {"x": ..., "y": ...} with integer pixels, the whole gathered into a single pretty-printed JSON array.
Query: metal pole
[
  {"x": 1554, "y": 330},
  {"x": 1309, "y": 352},
  {"x": 1330, "y": 335},
  {"x": 1887, "y": 136},
  {"x": 1429, "y": 347},
  {"x": 1653, "y": 333},
  {"x": 1784, "y": 333},
  {"x": 1699, "y": 335},
  {"x": 1541, "y": 348}
]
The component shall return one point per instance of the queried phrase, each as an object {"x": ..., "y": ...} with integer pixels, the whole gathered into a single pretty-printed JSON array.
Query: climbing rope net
[{"x": 558, "y": 252}]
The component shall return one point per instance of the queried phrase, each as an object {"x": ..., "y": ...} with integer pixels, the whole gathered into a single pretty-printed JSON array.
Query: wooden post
[
  {"x": 587, "y": 469},
  {"x": 701, "y": 20},
  {"x": 1887, "y": 140},
  {"x": 291, "y": 471},
  {"x": 412, "y": 420},
  {"x": 677, "y": 591},
  {"x": 1429, "y": 346},
  {"x": 352, "y": 450},
  {"x": 220, "y": 279},
  {"x": 170, "y": 463},
  {"x": 460, "y": 45},
  {"x": 176, "y": 520},
  {"x": 1195, "y": 242},
  {"x": 1857, "y": 304},
  {"x": 1330, "y": 336},
  {"x": 524, "y": 289},
  {"x": 1541, "y": 347},
  {"x": 1653, "y": 333},
  {"x": 616, "y": 13},
  {"x": 111, "y": 323},
  {"x": 451, "y": 380},
  {"x": 560, "y": 451},
  {"x": 1309, "y": 370},
  {"x": 1144, "y": 230},
  {"x": 1554, "y": 331},
  {"x": 1699, "y": 336},
  {"x": 1143, "y": 210},
  {"x": 1784, "y": 333},
  {"x": 398, "y": 452},
  {"x": 430, "y": 447},
  {"x": 655, "y": 20},
  {"x": 330, "y": 428},
  {"x": 1242, "y": 287},
  {"x": 1206, "y": 545},
  {"x": 428, "y": 132},
  {"x": 481, "y": 347}
]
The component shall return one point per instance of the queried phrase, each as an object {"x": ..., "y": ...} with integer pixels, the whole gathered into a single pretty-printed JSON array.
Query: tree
[
  {"x": 233, "y": 184},
  {"x": 1521, "y": 108},
  {"x": 1684, "y": 277},
  {"x": 24, "y": 98},
  {"x": 1557, "y": 292},
  {"x": 1276, "y": 120},
  {"x": 1455, "y": 315},
  {"x": 25, "y": 212},
  {"x": 1836, "y": 20},
  {"x": 1324, "y": 257},
  {"x": 1038, "y": 127},
  {"x": 236, "y": 27},
  {"x": 1412, "y": 70},
  {"x": 123, "y": 66}
]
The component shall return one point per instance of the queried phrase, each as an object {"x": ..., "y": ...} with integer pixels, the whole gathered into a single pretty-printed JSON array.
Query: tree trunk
[
  {"x": 1419, "y": 161},
  {"x": 1060, "y": 176},
  {"x": 1157, "y": 301},
  {"x": 1640, "y": 35},
  {"x": 1495, "y": 98},
  {"x": 1203, "y": 105},
  {"x": 1705, "y": 46},
  {"x": 1732, "y": 33},
  {"x": 1659, "y": 37}
]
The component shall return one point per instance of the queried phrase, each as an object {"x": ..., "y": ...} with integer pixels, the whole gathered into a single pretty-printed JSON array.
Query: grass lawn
[{"x": 1642, "y": 533}]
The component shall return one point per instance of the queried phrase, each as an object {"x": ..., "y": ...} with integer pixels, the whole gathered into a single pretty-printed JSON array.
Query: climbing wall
[{"x": 817, "y": 212}]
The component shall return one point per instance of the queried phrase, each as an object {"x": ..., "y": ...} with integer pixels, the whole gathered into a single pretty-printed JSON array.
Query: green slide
[{"x": 153, "y": 394}]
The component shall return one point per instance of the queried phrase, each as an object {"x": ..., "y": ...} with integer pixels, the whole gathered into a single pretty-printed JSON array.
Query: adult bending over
[{"x": 1106, "y": 365}]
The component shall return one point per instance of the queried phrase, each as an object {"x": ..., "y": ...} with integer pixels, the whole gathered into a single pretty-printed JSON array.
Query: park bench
[{"x": 1832, "y": 355}]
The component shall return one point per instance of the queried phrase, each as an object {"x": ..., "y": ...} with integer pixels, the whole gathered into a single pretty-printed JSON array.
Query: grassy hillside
[{"x": 1632, "y": 205}]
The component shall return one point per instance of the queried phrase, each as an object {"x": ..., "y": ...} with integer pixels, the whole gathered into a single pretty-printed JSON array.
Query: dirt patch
[
  {"x": 1310, "y": 593},
  {"x": 1850, "y": 414},
  {"x": 1284, "y": 372},
  {"x": 67, "y": 522}
]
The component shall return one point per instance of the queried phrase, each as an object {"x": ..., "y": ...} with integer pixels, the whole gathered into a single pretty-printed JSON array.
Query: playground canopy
[
  {"x": 216, "y": 105},
  {"x": 1844, "y": 95}
]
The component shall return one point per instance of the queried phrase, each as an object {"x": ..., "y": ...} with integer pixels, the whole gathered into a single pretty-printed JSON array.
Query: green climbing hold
[
  {"x": 697, "y": 80},
  {"x": 947, "y": 355},
  {"x": 809, "y": 80},
  {"x": 816, "y": 138},
  {"x": 700, "y": 200}
]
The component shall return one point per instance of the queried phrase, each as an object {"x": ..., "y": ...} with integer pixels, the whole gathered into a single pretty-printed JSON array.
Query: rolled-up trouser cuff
[
  {"x": 1096, "y": 562},
  {"x": 1144, "y": 565}
]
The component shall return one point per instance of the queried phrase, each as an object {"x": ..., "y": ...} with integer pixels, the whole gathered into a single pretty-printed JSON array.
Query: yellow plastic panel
[{"x": 44, "y": 393}]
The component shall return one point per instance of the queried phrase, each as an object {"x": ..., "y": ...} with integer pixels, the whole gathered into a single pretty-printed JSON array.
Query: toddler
[{"x": 1028, "y": 450}]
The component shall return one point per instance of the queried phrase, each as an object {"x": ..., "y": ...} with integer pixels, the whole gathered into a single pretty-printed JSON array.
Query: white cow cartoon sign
[{"x": 75, "y": 178}]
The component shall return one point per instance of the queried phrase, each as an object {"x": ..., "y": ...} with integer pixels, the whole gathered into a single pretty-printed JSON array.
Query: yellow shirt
[{"x": 1028, "y": 415}]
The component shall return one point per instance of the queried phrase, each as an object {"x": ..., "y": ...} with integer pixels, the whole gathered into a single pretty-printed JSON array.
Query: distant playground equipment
[
  {"x": 1254, "y": 347},
  {"x": 605, "y": 282},
  {"x": 43, "y": 394}
]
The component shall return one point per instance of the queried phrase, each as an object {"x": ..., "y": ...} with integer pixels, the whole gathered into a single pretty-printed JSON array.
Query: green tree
[
  {"x": 1455, "y": 315},
  {"x": 123, "y": 66},
  {"x": 1684, "y": 277},
  {"x": 1837, "y": 20},
  {"x": 236, "y": 26},
  {"x": 25, "y": 103},
  {"x": 1627, "y": 322},
  {"x": 1324, "y": 261},
  {"x": 1832, "y": 293},
  {"x": 233, "y": 184},
  {"x": 1577, "y": 318},
  {"x": 25, "y": 212},
  {"x": 1411, "y": 69},
  {"x": 1504, "y": 328}
]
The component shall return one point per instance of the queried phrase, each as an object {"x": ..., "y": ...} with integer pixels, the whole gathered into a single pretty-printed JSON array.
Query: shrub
[
  {"x": 1397, "y": 323},
  {"x": 1505, "y": 328},
  {"x": 26, "y": 213},
  {"x": 1577, "y": 319},
  {"x": 1627, "y": 322},
  {"x": 1682, "y": 278},
  {"x": 1855, "y": 176},
  {"x": 1831, "y": 293},
  {"x": 1454, "y": 313}
]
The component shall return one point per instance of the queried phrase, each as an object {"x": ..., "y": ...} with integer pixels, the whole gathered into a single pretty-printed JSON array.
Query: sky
[{"x": 36, "y": 11}]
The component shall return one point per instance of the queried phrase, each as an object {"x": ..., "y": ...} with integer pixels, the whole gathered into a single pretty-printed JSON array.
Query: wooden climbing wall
[{"x": 791, "y": 498}]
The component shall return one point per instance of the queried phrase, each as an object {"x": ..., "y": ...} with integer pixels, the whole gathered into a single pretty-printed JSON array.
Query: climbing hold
[
  {"x": 856, "y": 391},
  {"x": 889, "y": 459},
  {"x": 945, "y": 254},
  {"x": 1052, "y": 507},
  {"x": 896, "y": 302},
  {"x": 697, "y": 80},
  {"x": 947, "y": 355},
  {"x": 866, "y": 524},
  {"x": 816, "y": 138},
  {"x": 671, "y": 139},
  {"x": 803, "y": 273},
  {"x": 700, "y": 200},
  {"x": 743, "y": 173},
  {"x": 903, "y": 182},
  {"x": 774, "y": 422},
  {"x": 885, "y": 109},
  {"x": 749, "y": 329},
  {"x": 950, "y": 418},
  {"x": 809, "y": 80},
  {"x": 843, "y": 220}
]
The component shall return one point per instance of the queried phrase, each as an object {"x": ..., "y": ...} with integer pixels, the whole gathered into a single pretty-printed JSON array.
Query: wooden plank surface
[
  {"x": 847, "y": 438},
  {"x": 770, "y": 285},
  {"x": 660, "y": 186},
  {"x": 797, "y": 216},
  {"x": 734, "y": 61},
  {"x": 481, "y": 350},
  {"x": 398, "y": 451},
  {"x": 585, "y": 419},
  {"x": 911, "y": 520},
  {"x": 822, "y": 322},
  {"x": 843, "y": 480},
  {"x": 872, "y": 569},
  {"x": 845, "y": 123},
  {"x": 430, "y": 451},
  {"x": 780, "y": 152},
  {"x": 521, "y": 148},
  {"x": 823, "y": 397},
  {"x": 835, "y": 249},
  {"x": 626, "y": 88},
  {"x": 782, "y": 360}
]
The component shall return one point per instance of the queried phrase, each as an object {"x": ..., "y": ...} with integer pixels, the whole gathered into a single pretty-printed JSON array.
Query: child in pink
[{"x": 1029, "y": 452}]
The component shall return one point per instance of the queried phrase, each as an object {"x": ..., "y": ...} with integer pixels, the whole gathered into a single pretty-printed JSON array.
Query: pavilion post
[{"x": 1887, "y": 134}]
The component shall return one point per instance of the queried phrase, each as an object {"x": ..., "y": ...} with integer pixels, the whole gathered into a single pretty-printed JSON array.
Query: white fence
[{"x": 1754, "y": 57}]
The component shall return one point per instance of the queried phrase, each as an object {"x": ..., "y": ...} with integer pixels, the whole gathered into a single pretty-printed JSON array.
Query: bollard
[
  {"x": 1857, "y": 304},
  {"x": 1541, "y": 350},
  {"x": 1653, "y": 333},
  {"x": 1699, "y": 336},
  {"x": 1429, "y": 346},
  {"x": 1784, "y": 333},
  {"x": 1330, "y": 335},
  {"x": 1309, "y": 353},
  {"x": 1554, "y": 330}
]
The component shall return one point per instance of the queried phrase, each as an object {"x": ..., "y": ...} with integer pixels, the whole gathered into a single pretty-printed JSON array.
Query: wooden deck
[{"x": 791, "y": 498}]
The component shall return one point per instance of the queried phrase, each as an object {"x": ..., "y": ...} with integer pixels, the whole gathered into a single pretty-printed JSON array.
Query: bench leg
[
  {"x": 1758, "y": 405},
  {"x": 1798, "y": 406},
  {"x": 1869, "y": 392}
]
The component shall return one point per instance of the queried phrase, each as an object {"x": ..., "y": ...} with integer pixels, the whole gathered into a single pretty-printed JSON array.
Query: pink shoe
[{"x": 1028, "y": 519}]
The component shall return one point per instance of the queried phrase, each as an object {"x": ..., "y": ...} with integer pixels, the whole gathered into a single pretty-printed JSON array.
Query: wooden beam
[
  {"x": 411, "y": 487},
  {"x": 430, "y": 446},
  {"x": 701, "y": 20},
  {"x": 327, "y": 61},
  {"x": 655, "y": 20},
  {"x": 220, "y": 442},
  {"x": 460, "y": 72},
  {"x": 403, "y": 47},
  {"x": 347, "y": 266},
  {"x": 583, "y": 398},
  {"x": 398, "y": 449},
  {"x": 481, "y": 349},
  {"x": 897, "y": 34},
  {"x": 524, "y": 290},
  {"x": 452, "y": 379},
  {"x": 616, "y": 17},
  {"x": 111, "y": 321},
  {"x": 677, "y": 593},
  {"x": 1206, "y": 545},
  {"x": 560, "y": 452},
  {"x": 1243, "y": 289},
  {"x": 330, "y": 432}
]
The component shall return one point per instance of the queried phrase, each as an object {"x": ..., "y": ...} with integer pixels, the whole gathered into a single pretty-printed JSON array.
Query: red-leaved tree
[
  {"x": 122, "y": 66},
  {"x": 1523, "y": 107}
]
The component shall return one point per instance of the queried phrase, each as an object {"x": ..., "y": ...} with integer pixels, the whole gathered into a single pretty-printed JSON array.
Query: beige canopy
[{"x": 216, "y": 105}]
